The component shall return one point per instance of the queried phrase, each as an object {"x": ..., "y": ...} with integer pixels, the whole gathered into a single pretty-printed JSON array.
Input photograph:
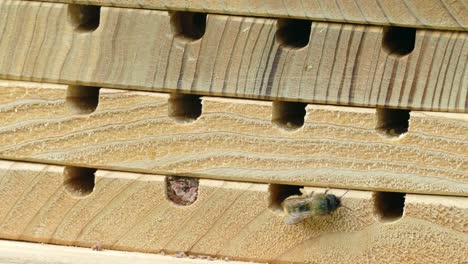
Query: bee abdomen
[{"x": 305, "y": 207}]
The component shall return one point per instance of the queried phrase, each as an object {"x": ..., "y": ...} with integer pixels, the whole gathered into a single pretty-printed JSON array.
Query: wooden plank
[
  {"x": 13, "y": 252},
  {"x": 132, "y": 212},
  {"x": 236, "y": 139},
  {"x": 245, "y": 57},
  {"x": 420, "y": 13}
]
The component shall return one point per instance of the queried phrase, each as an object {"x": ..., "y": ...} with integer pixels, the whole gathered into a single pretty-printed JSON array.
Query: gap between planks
[
  {"x": 14, "y": 252},
  {"x": 342, "y": 64},
  {"x": 131, "y": 212},
  {"x": 235, "y": 139},
  {"x": 425, "y": 14}
]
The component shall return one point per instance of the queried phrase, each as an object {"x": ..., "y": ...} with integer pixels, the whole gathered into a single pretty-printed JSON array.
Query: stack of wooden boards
[{"x": 105, "y": 103}]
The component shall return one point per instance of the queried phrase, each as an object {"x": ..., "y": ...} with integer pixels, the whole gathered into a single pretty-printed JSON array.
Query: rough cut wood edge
[
  {"x": 129, "y": 211},
  {"x": 235, "y": 139},
  {"x": 343, "y": 64},
  {"x": 441, "y": 14},
  {"x": 14, "y": 252}
]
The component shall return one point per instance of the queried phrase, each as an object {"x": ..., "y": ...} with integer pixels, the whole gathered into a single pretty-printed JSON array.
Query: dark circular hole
[
  {"x": 288, "y": 115},
  {"x": 388, "y": 206},
  {"x": 398, "y": 41},
  {"x": 85, "y": 18},
  {"x": 78, "y": 181},
  {"x": 279, "y": 192},
  {"x": 293, "y": 33},
  {"x": 82, "y": 100},
  {"x": 185, "y": 108},
  {"x": 188, "y": 25},
  {"x": 392, "y": 122}
]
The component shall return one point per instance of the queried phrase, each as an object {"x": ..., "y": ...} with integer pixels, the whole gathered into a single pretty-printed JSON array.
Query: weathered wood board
[
  {"x": 235, "y": 139},
  {"x": 245, "y": 57},
  {"x": 14, "y": 252},
  {"x": 416, "y": 13},
  {"x": 131, "y": 212}
]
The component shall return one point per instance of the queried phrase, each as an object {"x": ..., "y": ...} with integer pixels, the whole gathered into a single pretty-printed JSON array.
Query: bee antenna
[{"x": 344, "y": 194}]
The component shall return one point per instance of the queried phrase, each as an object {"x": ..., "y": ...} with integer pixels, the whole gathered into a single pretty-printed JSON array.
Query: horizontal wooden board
[
  {"x": 235, "y": 139},
  {"x": 416, "y": 13},
  {"x": 129, "y": 211},
  {"x": 245, "y": 57},
  {"x": 14, "y": 252}
]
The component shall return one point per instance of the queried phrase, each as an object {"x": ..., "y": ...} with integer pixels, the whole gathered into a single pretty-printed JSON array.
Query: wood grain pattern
[
  {"x": 237, "y": 57},
  {"x": 235, "y": 139},
  {"x": 415, "y": 13},
  {"x": 129, "y": 211},
  {"x": 14, "y": 252}
]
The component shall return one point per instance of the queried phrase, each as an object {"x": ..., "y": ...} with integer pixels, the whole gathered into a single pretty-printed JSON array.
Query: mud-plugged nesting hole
[
  {"x": 389, "y": 206},
  {"x": 84, "y": 18},
  {"x": 82, "y": 100},
  {"x": 185, "y": 108},
  {"x": 398, "y": 41},
  {"x": 188, "y": 25},
  {"x": 392, "y": 122},
  {"x": 293, "y": 33},
  {"x": 182, "y": 190},
  {"x": 79, "y": 181},
  {"x": 288, "y": 115},
  {"x": 279, "y": 192}
]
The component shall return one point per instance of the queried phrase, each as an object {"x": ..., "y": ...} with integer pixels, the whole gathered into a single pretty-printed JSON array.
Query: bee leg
[{"x": 344, "y": 194}]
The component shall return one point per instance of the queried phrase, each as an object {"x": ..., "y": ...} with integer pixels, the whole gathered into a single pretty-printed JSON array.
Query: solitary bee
[{"x": 299, "y": 208}]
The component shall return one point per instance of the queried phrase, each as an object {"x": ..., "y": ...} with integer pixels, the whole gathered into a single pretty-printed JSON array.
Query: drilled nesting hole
[
  {"x": 185, "y": 108},
  {"x": 82, "y": 99},
  {"x": 279, "y": 192},
  {"x": 85, "y": 18},
  {"x": 392, "y": 122},
  {"x": 188, "y": 25},
  {"x": 398, "y": 41},
  {"x": 182, "y": 190},
  {"x": 79, "y": 181},
  {"x": 293, "y": 33},
  {"x": 288, "y": 115},
  {"x": 389, "y": 206}
]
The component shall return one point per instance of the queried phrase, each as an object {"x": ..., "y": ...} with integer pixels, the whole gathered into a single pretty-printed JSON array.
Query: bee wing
[
  {"x": 292, "y": 201},
  {"x": 296, "y": 218}
]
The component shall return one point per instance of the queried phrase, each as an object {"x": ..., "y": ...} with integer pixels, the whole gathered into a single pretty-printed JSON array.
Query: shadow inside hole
[
  {"x": 82, "y": 100},
  {"x": 279, "y": 192},
  {"x": 182, "y": 190},
  {"x": 190, "y": 26},
  {"x": 392, "y": 122},
  {"x": 288, "y": 115},
  {"x": 84, "y": 18},
  {"x": 185, "y": 108},
  {"x": 389, "y": 206},
  {"x": 78, "y": 181},
  {"x": 293, "y": 33},
  {"x": 398, "y": 41}
]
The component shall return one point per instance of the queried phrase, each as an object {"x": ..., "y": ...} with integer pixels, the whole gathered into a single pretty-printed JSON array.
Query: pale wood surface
[
  {"x": 235, "y": 139},
  {"x": 237, "y": 57},
  {"x": 129, "y": 211},
  {"x": 415, "y": 13},
  {"x": 13, "y": 252}
]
